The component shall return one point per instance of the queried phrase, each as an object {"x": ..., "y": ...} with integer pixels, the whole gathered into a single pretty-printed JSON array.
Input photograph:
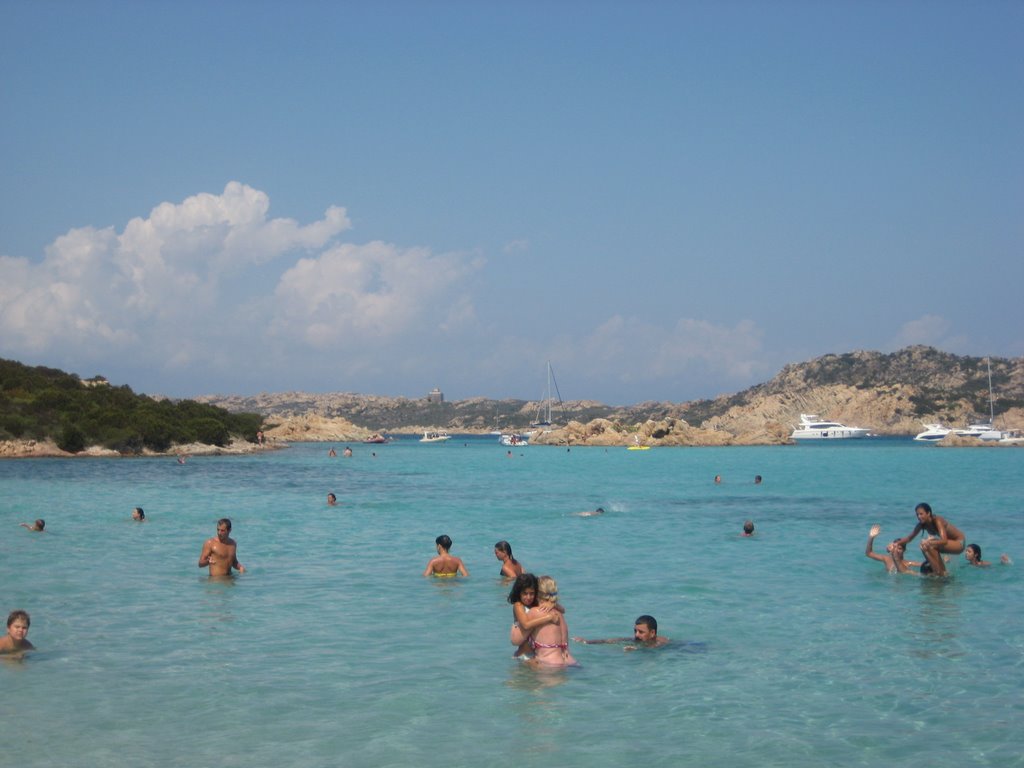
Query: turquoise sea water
[{"x": 789, "y": 649}]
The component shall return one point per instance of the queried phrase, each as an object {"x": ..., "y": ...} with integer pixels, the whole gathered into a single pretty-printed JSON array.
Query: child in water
[{"x": 16, "y": 639}]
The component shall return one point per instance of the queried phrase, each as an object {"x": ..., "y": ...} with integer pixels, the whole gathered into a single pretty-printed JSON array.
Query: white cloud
[
  {"x": 352, "y": 295},
  {"x": 642, "y": 351},
  {"x": 932, "y": 330},
  {"x": 193, "y": 287}
]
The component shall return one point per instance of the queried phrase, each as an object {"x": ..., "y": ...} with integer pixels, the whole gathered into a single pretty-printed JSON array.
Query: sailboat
[{"x": 544, "y": 408}]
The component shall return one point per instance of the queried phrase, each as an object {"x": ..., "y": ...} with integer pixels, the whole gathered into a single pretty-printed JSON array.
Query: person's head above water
[
  {"x": 525, "y": 582},
  {"x": 444, "y": 542},
  {"x": 506, "y": 549},
  {"x": 138, "y": 514},
  {"x": 645, "y": 629},
  {"x": 547, "y": 589},
  {"x": 748, "y": 528},
  {"x": 924, "y": 512},
  {"x": 973, "y": 553}
]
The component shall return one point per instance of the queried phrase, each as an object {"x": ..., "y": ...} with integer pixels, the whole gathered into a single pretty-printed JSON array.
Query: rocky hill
[{"x": 889, "y": 393}]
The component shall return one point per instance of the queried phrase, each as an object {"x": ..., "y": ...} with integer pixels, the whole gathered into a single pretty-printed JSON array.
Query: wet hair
[
  {"x": 444, "y": 541},
  {"x": 976, "y": 549},
  {"x": 649, "y": 621},
  {"x": 547, "y": 589},
  {"x": 224, "y": 521},
  {"x": 523, "y": 581},
  {"x": 897, "y": 544},
  {"x": 13, "y": 616},
  {"x": 599, "y": 510},
  {"x": 142, "y": 514},
  {"x": 40, "y": 524},
  {"x": 757, "y": 478},
  {"x": 505, "y": 547},
  {"x": 925, "y": 506},
  {"x": 926, "y": 568},
  {"x": 748, "y": 527}
]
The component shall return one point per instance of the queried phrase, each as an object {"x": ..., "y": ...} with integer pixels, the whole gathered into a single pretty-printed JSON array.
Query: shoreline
[{"x": 47, "y": 449}]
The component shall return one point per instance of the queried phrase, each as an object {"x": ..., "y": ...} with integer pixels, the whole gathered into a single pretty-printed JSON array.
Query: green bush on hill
[{"x": 40, "y": 403}]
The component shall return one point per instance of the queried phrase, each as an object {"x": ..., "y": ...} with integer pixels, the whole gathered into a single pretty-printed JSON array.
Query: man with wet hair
[
  {"x": 220, "y": 552},
  {"x": 645, "y": 635}
]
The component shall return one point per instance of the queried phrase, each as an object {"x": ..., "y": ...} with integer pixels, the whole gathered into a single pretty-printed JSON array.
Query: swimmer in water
[
  {"x": 16, "y": 639},
  {"x": 526, "y": 616},
  {"x": 220, "y": 552},
  {"x": 645, "y": 635},
  {"x": 589, "y": 513},
  {"x": 445, "y": 565},
  {"x": 510, "y": 567},
  {"x": 973, "y": 555},
  {"x": 748, "y": 528},
  {"x": 893, "y": 561},
  {"x": 36, "y": 527},
  {"x": 946, "y": 537},
  {"x": 550, "y": 642},
  {"x": 138, "y": 515},
  {"x": 332, "y": 500}
]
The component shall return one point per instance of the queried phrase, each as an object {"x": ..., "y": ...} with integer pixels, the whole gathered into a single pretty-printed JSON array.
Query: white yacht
[
  {"x": 812, "y": 427},
  {"x": 932, "y": 432},
  {"x": 435, "y": 437}
]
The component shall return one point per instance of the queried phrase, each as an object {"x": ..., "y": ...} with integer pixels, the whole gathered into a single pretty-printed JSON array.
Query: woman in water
[
  {"x": 510, "y": 567},
  {"x": 550, "y": 642},
  {"x": 525, "y": 615}
]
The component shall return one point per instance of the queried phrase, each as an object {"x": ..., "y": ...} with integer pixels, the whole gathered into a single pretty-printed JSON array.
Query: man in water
[
  {"x": 16, "y": 638},
  {"x": 645, "y": 635},
  {"x": 894, "y": 560},
  {"x": 445, "y": 565},
  {"x": 36, "y": 527},
  {"x": 220, "y": 552},
  {"x": 748, "y": 528},
  {"x": 589, "y": 513},
  {"x": 946, "y": 537}
]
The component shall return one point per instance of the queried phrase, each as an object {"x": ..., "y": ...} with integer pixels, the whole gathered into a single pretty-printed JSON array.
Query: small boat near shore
[
  {"x": 377, "y": 440},
  {"x": 514, "y": 439},
  {"x": 812, "y": 427},
  {"x": 435, "y": 437}
]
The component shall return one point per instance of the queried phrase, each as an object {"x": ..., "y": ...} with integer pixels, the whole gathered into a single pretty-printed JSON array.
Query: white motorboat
[
  {"x": 932, "y": 432},
  {"x": 514, "y": 439},
  {"x": 1012, "y": 437},
  {"x": 435, "y": 437},
  {"x": 812, "y": 427}
]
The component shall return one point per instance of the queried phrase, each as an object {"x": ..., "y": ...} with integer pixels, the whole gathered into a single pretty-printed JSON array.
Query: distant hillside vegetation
[
  {"x": 45, "y": 403},
  {"x": 891, "y": 393}
]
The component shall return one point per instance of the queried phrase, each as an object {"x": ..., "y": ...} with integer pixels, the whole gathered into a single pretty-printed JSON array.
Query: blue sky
[{"x": 667, "y": 200}]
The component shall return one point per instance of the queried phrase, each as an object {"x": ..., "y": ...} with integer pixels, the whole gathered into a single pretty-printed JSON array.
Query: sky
[{"x": 666, "y": 200}]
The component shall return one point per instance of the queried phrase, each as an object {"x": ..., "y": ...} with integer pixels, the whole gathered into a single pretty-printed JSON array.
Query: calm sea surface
[{"x": 788, "y": 649}]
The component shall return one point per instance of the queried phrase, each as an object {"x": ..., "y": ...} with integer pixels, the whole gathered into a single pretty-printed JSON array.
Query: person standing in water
[
  {"x": 220, "y": 552},
  {"x": 510, "y": 567},
  {"x": 550, "y": 642},
  {"x": 525, "y": 614},
  {"x": 445, "y": 566},
  {"x": 946, "y": 538}
]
